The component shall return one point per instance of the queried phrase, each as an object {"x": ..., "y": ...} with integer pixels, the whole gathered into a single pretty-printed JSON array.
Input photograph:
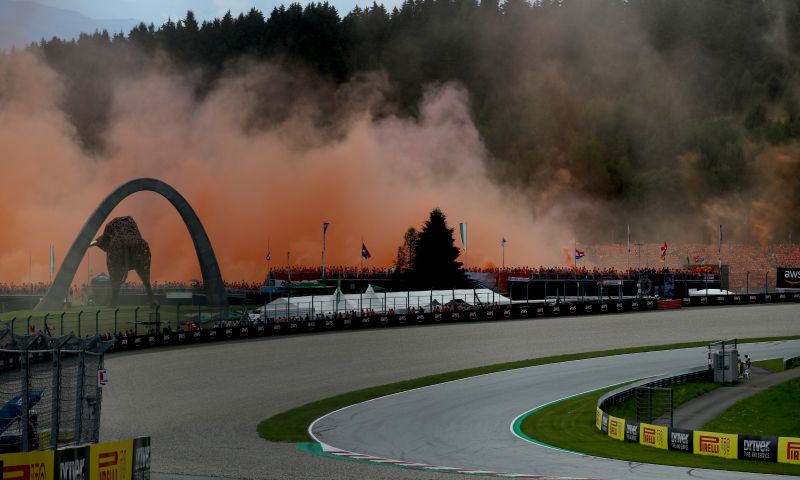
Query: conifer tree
[{"x": 435, "y": 263}]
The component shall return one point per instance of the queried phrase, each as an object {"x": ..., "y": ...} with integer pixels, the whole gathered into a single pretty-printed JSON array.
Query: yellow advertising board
[
  {"x": 28, "y": 466},
  {"x": 111, "y": 460},
  {"x": 616, "y": 428},
  {"x": 598, "y": 418},
  {"x": 789, "y": 450},
  {"x": 715, "y": 444},
  {"x": 653, "y": 436}
]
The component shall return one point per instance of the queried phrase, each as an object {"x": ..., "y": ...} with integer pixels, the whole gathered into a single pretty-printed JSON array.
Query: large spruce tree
[{"x": 434, "y": 264}]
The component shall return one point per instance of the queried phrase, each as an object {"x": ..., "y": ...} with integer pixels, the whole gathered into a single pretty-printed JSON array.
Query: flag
[
  {"x": 503, "y": 243},
  {"x": 462, "y": 228},
  {"x": 364, "y": 252},
  {"x": 579, "y": 254},
  {"x": 664, "y": 249},
  {"x": 324, "y": 228},
  {"x": 699, "y": 259}
]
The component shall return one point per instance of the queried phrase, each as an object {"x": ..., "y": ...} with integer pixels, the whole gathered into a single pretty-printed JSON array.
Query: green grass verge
[
  {"x": 569, "y": 424},
  {"x": 292, "y": 425},
  {"x": 771, "y": 412},
  {"x": 681, "y": 394},
  {"x": 773, "y": 364}
]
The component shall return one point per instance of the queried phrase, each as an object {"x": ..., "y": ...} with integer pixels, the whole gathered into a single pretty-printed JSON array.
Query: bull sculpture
[{"x": 126, "y": 250}]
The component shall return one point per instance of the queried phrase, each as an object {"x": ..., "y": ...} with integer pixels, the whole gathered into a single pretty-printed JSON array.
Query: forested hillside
[{"x": 647, "y": 107}]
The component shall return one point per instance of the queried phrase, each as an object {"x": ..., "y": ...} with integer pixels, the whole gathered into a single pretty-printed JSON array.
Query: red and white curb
[{"x": 437, "y": 468}]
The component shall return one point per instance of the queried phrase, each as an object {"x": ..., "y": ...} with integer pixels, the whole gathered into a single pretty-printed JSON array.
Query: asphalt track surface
[
  {"x": 201, "y": 404},
  {"x": 465, "y": 424}
]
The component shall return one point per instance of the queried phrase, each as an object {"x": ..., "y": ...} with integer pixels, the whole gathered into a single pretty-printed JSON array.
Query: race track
[
  {"x": 201, "y": 404},
  {"x": 465, "y": 424}
]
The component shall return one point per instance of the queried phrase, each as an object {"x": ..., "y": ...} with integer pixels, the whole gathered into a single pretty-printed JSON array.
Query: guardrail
[
  {"x": 725, "y": 445},
  {"x": 791, "y": 362},
  {"x": 624, "y": 393}
]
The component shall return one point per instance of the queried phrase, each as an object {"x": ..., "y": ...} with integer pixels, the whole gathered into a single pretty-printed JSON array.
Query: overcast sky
[{"x": 157, "y": 11}]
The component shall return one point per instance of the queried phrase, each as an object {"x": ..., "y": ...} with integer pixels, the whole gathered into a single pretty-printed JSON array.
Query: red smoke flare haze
[{"x": 371, "y": 180}]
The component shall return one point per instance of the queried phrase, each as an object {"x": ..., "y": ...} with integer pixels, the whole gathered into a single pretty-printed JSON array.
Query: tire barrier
[
  {"x": 724, "y": 445},
  {"x": 123, "y": 459}
]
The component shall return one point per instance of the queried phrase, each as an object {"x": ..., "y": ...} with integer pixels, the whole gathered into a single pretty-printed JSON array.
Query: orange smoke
[{"x": 371, "y": 178}]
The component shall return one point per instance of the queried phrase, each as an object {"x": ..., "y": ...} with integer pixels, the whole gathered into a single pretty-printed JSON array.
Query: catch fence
[{"x": 50, "y": 394}]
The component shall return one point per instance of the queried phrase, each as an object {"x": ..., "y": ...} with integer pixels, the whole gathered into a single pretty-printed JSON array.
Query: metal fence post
[
  {"x": 28, "y": 325},
  {"x": 136, "y": 321},
  {"x": 766, "y": 276},
  {"x": 115, "y": 320},
  {"x": 97, "y": 323},
  {"x": 747, "y": 284},
  {"x": 98, "y": 402},
  {"x": 25, "y": 398},
  {"x": 55, "y": 388},
  {"x": 13, "y": 320},
  {"x": 79, "y": 394},
  {"x": 79, "y": 323},
  {"x": 178, "y": 318},
  {"x": 61, "y": 332}
]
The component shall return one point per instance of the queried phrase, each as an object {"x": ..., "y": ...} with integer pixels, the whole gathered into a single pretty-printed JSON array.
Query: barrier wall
[
  {"x": 516, "y": 311},
  {"x": 724, "y": 445},
  {"x": 118, "y": 460}
]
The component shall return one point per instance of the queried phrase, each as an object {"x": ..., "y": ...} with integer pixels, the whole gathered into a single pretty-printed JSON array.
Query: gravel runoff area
[{"x": 201, "y": 404}]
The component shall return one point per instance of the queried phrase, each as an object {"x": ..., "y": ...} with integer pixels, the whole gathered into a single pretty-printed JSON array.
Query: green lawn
[
  {"x": 773, "y": 364},
  {"x": 681, "y": 394},
  {"x": 771, "y": 412},
  {"x": 292, "y": 425},
  {"x": 570, "y": 425}
]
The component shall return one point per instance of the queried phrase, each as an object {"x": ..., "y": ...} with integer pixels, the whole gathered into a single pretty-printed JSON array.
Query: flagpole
[
  {"x": 324, "y": 230},
  {"x": 719, "y": 250},
  {"x": 361, "y": 255},
  {"x": 575, "y": 253},
  {"x": 504, "y": 253},
  {"x": 629, "y": 246}
]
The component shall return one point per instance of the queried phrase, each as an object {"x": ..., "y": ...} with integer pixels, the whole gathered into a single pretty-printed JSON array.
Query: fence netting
[{"x": 50, "y": 395}]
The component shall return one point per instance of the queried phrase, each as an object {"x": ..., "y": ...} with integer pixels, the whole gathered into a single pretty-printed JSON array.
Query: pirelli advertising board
[
  {"x": 715, "y": 444},
  {"x": 724, "y": 445},
  {"x": 28, "y": 466},
  {"x": 120, "y": 460},
  {"x": 789, "y": 450},
  {"x": 653, "y": 435},
  {"x": 788, "y": 277},
  {"x": 616, "y": 428}
]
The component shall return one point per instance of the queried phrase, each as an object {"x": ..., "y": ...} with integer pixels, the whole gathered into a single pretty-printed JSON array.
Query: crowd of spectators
[
  {"x": 611, "y": 261},
  {"x": 333, "y": 271},
  {"x": 13, "y": 288}
]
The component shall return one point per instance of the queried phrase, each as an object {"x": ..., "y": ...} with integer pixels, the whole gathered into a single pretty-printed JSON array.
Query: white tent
[{"x": 400, "y": 302}]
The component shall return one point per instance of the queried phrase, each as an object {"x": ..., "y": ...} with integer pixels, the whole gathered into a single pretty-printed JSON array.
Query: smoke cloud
[
  {"x": 572, "y": 120},
  {"x": 370, "y": 176}
]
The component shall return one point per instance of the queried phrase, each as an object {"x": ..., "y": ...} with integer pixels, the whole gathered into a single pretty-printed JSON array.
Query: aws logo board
[{"x": 788, "y": 277}]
